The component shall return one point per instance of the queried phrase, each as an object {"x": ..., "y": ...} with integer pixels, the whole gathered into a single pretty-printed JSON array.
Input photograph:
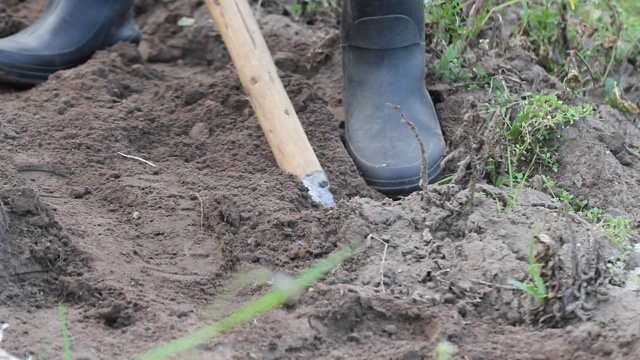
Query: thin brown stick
[
  {"x": 593, "y": 79},
  {"x": 201, "y": 212},
  {"x": 384, "y": 256},
  {"x": 424, "y": 177}
]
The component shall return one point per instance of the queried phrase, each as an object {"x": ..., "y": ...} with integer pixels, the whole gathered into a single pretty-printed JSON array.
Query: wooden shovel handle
[{"x": 259, "y": 77}]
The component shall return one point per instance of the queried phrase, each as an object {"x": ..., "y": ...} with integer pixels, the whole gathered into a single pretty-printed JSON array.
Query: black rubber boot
[
  {"x": 66, "y": 35},
  {"x": 384, "y": 60}
]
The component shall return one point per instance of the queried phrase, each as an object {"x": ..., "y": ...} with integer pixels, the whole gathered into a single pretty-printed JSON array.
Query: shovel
[{"x": 259, "y": 77}]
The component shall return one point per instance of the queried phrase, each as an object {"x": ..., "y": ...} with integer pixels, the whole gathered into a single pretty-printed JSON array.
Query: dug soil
[{"x": 137, "y": 252}]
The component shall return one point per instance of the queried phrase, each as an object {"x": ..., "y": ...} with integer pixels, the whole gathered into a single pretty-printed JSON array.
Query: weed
[
  {"x": 618, "y": 230},
  {"x": 593, "y": 214},
  {"x": 568, "y": 198},
  {"x": 537, "y": 287},
  {"x": 580, "y": 205},
  {"x": 537, "y": 124},
  {"x": 447, "y": 30},
  {"x": 494, "y": 173},
  {"x": 569, "y": 38},
  {"x": 445, "y": 350},
  {"x": 186, "y": 21},
  {"x": 549, "y": 185},
  {"x": 530, "y": 138}
]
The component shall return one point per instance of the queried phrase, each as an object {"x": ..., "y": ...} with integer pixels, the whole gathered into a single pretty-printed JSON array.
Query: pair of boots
[{"x": 383, "y": 53}]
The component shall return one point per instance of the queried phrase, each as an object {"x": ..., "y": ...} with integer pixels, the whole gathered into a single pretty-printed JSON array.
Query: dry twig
[
  {"x": 424, "y": 177},
  {"x": 137, "y": 158},
  {"x": 201, "y": 212},
  {"x": 384, "y": 256}
]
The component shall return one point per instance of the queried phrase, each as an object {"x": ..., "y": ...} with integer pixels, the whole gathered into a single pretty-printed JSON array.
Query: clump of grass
[
  {"x": 582, "y": 42},
  {"x": 619, "y": 231},
  {"x": 531, "y": 132},
  {"x": 529, "y": 139}
]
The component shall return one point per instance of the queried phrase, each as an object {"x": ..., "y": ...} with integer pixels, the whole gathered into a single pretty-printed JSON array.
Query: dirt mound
[{"x": 34, "y": 252}]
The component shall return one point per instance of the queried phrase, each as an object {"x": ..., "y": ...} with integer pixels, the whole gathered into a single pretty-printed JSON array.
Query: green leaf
[
  {"x": 521, "y": 286},
  {"x": 186, "y": 21},
  {"x": 515, "y": 128}
]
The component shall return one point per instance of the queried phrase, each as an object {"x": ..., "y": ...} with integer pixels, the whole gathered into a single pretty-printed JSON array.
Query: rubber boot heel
[{"x": 125, "y": 31}]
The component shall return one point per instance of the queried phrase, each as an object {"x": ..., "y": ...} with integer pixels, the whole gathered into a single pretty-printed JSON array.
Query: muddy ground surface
[{"x": 138, "y": 253}]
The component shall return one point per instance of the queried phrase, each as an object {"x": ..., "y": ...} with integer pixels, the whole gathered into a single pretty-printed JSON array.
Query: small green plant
[
  {"x": 563, "y": 195},
  {"x": 549, "y": 185},
  {"x": 574, "y": 204},
  {"x": 445, "y": 350},
  {"x": 580, "y": 205},
  {"x": 593, "y": 214},
  {"x": 618, "y": 230},
  {"x": 602, "y": 325},
  {"x": 186, "y": 21},
  {"x": 537, "y": 287}
]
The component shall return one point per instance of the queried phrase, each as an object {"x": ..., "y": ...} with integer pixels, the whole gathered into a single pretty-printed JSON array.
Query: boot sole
[
  {"x": 25, "y": 77},
  {"x": 404, "y": 187},
  {"x": 31, "y": 75}
]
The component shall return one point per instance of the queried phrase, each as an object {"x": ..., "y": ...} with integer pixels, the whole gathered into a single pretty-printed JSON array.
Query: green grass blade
[
  {"x": 269, "y": 301},
  {"x": 65, "y": 332}
]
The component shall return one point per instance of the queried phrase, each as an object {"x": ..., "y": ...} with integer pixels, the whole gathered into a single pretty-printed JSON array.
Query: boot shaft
[{"x": 354, "y": 10}]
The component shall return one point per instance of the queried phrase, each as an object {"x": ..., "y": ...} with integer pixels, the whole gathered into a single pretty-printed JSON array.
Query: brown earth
[{"x": 138, "y": 253}]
